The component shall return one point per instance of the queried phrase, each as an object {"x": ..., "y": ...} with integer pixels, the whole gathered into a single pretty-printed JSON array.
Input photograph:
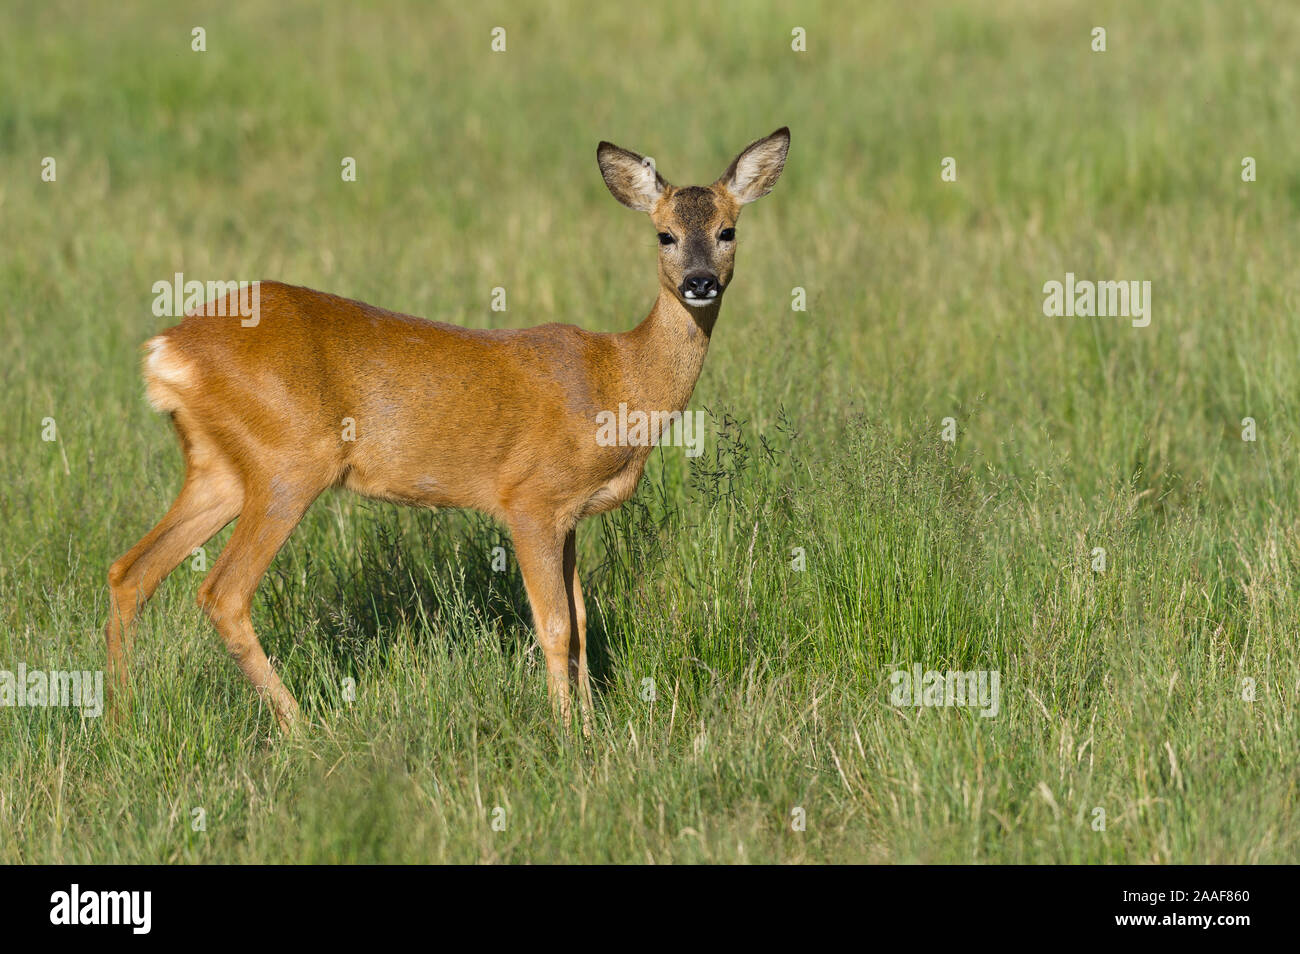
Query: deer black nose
[{"x": 700, "y": 285}]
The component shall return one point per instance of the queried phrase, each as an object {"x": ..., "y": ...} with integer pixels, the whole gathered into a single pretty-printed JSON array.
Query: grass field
[{"x": 734, "y": 689}]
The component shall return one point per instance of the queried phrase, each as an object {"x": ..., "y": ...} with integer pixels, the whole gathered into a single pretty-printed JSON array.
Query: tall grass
[{"x": 749, "y": 605}]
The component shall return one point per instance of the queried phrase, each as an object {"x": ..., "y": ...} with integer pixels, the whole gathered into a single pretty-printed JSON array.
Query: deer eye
[
  {"x": 666, "y": 239},
  {"x": 727, "y": 235}
]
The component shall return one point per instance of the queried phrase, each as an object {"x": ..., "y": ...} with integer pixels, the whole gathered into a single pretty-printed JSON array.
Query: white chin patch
[{"x": 698, "y": 302}]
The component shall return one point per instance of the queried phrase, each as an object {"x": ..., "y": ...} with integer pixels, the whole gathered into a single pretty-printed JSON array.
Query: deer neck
[{"x": 666, "y": 352}]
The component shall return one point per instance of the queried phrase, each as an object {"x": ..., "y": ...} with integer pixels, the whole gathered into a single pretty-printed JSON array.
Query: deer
[{"x": 323, "y": 392}]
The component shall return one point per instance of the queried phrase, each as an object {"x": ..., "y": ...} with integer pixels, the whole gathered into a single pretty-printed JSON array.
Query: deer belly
[{"x": 614, "y": 491}]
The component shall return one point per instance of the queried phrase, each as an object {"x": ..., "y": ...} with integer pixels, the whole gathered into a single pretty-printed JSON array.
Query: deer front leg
[
  {"x": 540, "y": 551},
  {"x": 578, "y": 624}
]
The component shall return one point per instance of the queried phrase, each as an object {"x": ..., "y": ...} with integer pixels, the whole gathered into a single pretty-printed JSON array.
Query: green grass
[{"x": 1121, "y": 690}]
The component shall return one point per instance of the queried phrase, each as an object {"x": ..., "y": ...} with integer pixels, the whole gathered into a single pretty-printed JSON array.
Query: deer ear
[
  {"x": 632, "y": 179},
  {"x": 754, "y": 172}
]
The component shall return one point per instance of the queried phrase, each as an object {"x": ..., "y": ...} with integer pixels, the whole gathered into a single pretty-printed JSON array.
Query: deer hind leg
[
  {"x": 540, "y": 551},
  {"x": 578, "y": 626},
  {"x": 226, "y": 596},
  {"x": 209, "y": 499}
]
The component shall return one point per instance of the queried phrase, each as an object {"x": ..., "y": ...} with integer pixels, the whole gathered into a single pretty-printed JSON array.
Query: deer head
[{"x": 696, "y": 225}]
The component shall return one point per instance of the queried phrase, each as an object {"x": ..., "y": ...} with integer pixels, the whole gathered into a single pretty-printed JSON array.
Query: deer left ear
[
  {"x": 631, "y": 178},
  {"x": 755, "y": 171}
]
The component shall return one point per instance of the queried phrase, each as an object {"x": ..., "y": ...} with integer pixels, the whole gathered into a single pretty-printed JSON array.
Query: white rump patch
[{"x": 165, "y": 374}]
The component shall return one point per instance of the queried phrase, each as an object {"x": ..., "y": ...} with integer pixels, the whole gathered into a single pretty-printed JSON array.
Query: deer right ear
[
  {"x": 753, "y": 173},
  {"x": 632, "y": 179}
]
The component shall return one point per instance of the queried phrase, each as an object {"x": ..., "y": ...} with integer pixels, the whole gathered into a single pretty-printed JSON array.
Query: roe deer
[{"x": 502, "y": 421}]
